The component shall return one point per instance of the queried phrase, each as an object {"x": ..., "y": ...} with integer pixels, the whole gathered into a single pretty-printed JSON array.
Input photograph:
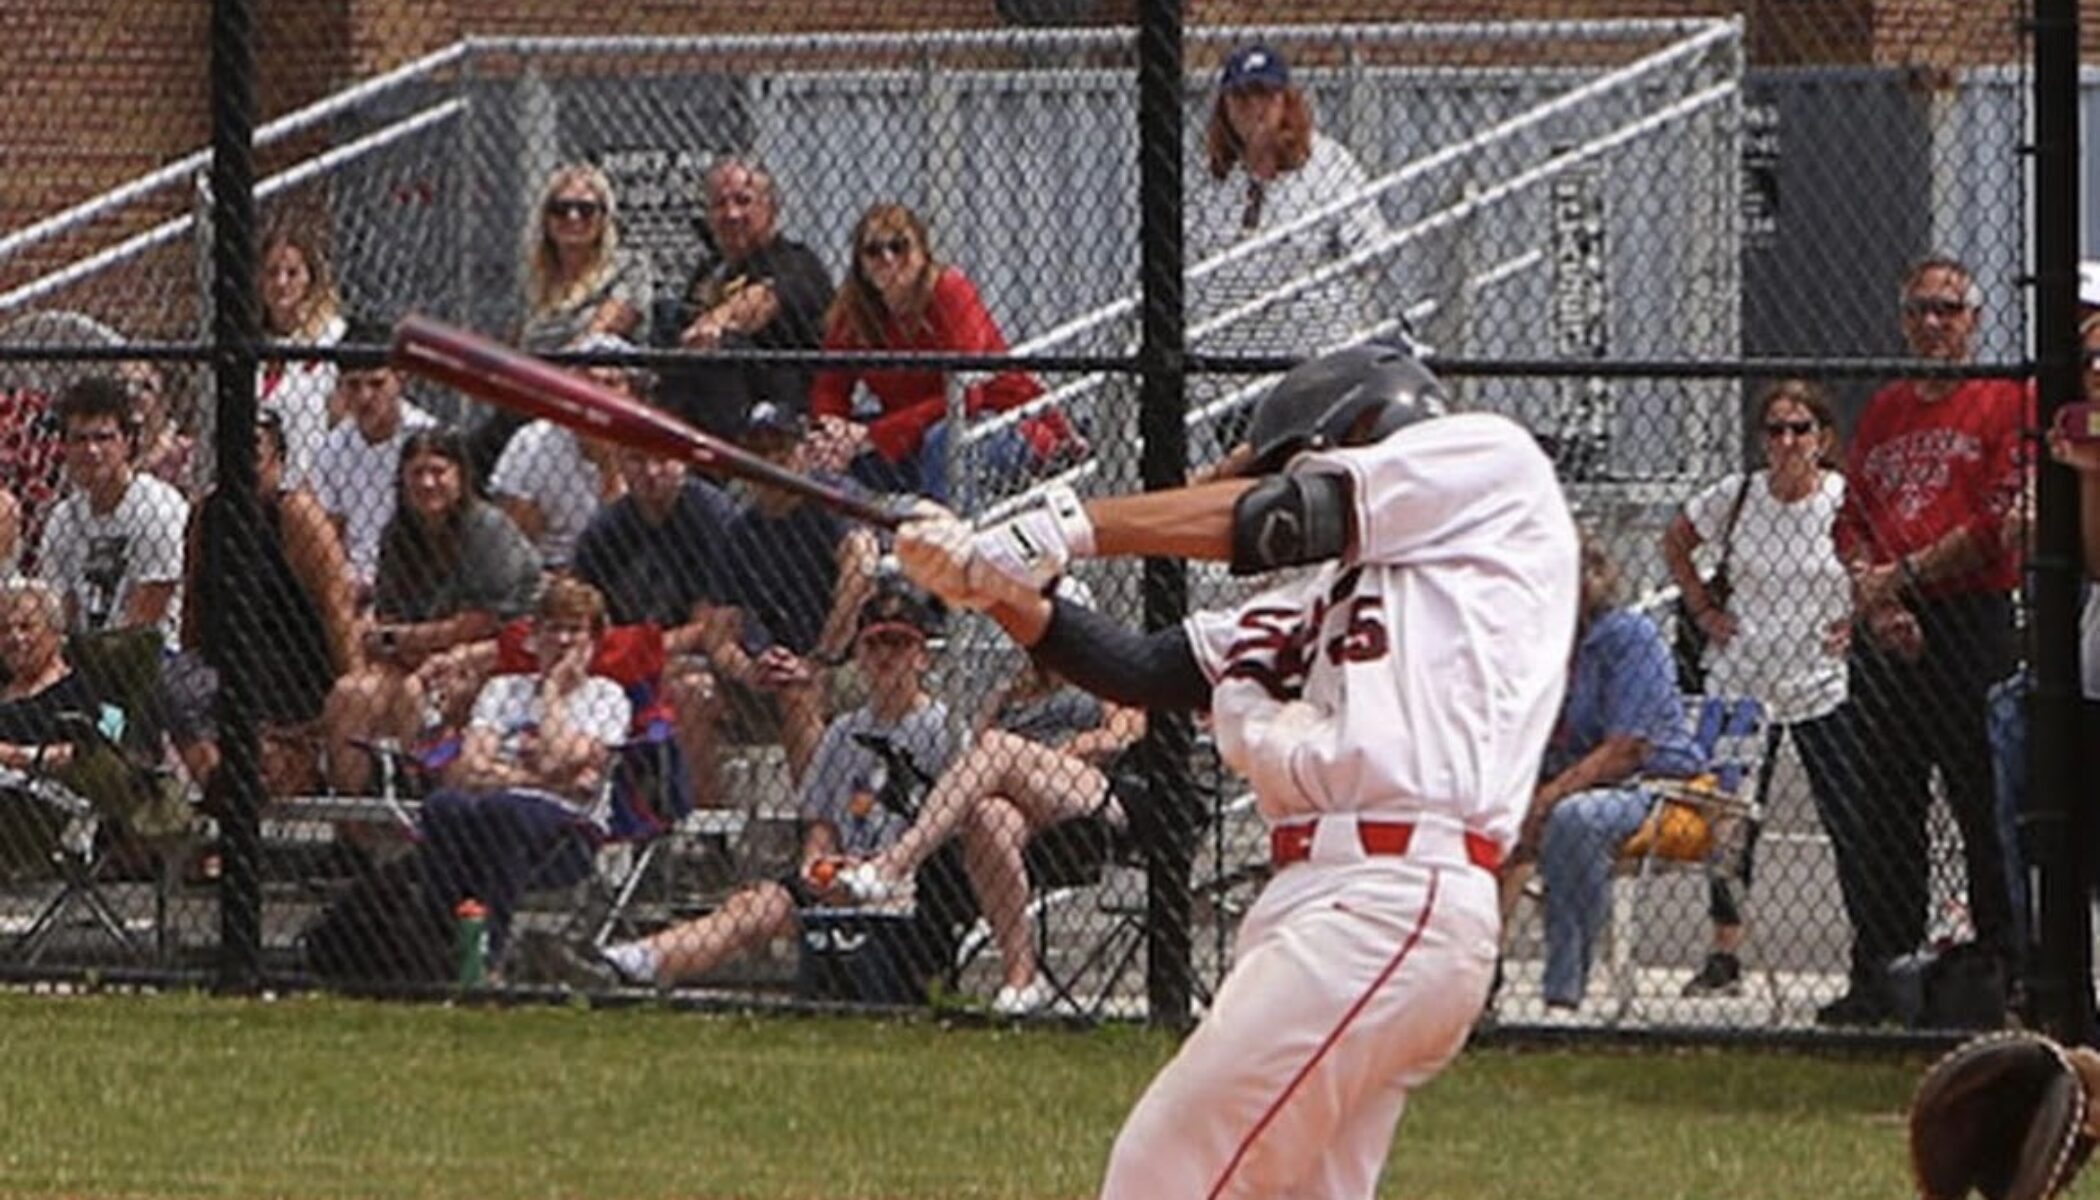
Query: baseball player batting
[{"x": 1389, "y": 708}]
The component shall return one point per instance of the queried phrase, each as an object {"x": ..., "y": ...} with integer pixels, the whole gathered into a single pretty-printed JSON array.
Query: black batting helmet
[{"x": 1320, "y": 400}]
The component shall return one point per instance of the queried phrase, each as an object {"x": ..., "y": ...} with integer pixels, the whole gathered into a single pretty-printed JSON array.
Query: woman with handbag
[{"x": 1774, "y": 615}]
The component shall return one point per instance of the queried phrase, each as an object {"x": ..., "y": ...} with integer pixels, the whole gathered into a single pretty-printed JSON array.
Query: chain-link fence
[{"x": 532, "y": 711}]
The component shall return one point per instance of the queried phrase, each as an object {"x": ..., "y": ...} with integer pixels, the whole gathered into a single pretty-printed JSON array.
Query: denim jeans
[
  {"x": 2006, "y": 710},
  {"x": 1582, "y": 838},
  {"x": 998, "y": 465}
]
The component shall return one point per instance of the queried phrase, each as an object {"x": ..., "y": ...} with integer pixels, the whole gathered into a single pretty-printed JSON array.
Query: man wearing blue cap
[{"x": 1268, "y": 166}]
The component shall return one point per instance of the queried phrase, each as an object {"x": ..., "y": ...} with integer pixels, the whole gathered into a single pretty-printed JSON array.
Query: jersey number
[{"x": 1272, "y": 650}]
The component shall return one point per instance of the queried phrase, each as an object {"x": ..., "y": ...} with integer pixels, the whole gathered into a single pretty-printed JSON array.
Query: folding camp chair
[
  {"x": 116, "y": 795},
  {"x": 647, "y": 792},
  {"x": 1704, "y": 825}
]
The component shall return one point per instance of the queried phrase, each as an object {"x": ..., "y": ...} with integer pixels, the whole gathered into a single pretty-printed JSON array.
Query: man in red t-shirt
[{"x": 1932, "y": 482}]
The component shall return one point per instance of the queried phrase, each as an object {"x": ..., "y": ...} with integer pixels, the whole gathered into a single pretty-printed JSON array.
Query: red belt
[{"x": 1293, "y": 843}]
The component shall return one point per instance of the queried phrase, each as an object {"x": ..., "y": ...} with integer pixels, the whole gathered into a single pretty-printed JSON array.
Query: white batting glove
[
  {"x": 934, "y": 549},
  {"x": 1034, "y": 546}
]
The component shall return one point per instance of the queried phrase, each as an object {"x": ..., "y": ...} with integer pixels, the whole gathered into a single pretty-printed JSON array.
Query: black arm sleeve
[{"x": 1143, "y": 670}]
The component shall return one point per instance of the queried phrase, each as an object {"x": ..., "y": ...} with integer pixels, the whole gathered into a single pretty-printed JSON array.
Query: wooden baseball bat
[{"x": 489, "y": 370}]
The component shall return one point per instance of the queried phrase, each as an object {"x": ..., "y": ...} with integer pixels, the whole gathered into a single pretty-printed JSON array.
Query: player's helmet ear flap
[{"x": 1319, "y": 401}]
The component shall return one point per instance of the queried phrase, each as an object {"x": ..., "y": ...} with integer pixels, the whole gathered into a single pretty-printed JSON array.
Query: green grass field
[{"x": 180, "y": 1095}]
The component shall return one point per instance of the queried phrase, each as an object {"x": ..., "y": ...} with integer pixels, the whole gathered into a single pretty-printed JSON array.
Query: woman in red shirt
[{"x": 900, "y": 297}]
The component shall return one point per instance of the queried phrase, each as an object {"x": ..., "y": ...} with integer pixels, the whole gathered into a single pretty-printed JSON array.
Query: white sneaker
[
  {"x": 866, "y": 883},
  {"x": 1022, "y": 1001}
]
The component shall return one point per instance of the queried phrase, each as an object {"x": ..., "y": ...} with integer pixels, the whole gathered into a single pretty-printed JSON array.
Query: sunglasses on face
[
  {"x": 1934, "y": 306},
  {"x": 896, "y": 247},
  {"x": 574, "y": 210},
  {"x": 1797, "y": 428}
]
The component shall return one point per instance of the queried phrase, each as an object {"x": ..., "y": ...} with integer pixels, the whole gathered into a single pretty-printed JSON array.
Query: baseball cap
[
  {"x": 1255, "y": 64},
  {"x": 897, "y": 606},
  {"x": 768, "y": 416}
]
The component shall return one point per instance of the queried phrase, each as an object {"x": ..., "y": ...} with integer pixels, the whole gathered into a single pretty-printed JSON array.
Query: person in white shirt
[
  {"x": 1389, "y": 706},
  {"x": 1781, "y": 634},
  {"x": 520, "y": 807},
  {"x": 114, "y": 545},
  {"x": 550, "y": 481},
  {"x": 354, "y": 472},
  {"x": 1269, "y": 166},
  {"x": 300, "y": 305}
]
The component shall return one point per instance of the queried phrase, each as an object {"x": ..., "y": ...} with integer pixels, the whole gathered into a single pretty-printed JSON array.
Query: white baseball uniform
[{"x": 1410, "y": 686}]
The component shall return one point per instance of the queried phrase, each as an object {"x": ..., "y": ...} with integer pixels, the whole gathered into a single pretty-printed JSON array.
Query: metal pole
[
  {"x": 2058, "y": 824},
  {"x": 1163, "y": 463},
  {"x": 231, "y": 518}
]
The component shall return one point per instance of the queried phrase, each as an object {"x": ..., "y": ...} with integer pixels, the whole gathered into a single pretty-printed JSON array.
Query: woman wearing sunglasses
[
  {"x": 900, "y": 297},
  {"x": 1781, "y": 633},
  {"x": 578, "y": 281}
]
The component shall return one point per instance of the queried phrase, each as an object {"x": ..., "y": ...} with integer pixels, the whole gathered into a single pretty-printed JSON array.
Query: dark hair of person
[
  {"x": 1809, "y": 396},
  {"x": 1223, "y": 148},
  {"x": 430, "y": 551}
]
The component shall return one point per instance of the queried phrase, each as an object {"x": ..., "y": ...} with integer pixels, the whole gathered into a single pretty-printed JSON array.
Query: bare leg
[
  {"x": 749, "y": 919},
  {"x": 378, "y": 702},
  {"x": 992, "y": 839},
  {"x": 1045, "y": 784},
  {"x": 696, "y": 705},
  {"x": 1728, "y": 938},
  {"x": 1510, "y": 890},
  {"x": 801, "y": 727}
]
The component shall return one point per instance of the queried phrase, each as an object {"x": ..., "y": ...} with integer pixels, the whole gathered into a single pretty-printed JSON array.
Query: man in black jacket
[{"x": 760, "y": 291}]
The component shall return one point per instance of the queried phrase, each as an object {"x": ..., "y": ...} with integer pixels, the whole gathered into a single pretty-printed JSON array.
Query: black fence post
[
  {"x": 2058, "y": 823},
  {"x": 232, "y": 518},
  {"x": 1163, "y": 463}
]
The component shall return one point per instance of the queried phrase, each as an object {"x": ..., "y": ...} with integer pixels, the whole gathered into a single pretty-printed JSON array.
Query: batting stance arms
[
  {"x": 1282, "y": 520},
  {"x": 1156, "y": 670}
]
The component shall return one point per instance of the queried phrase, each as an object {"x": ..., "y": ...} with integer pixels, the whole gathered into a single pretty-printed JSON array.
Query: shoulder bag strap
[{"x": 1735, "y": 510}]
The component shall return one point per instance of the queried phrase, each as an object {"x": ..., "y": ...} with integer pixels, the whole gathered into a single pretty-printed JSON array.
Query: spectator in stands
[
  {"x": 758, "y": 291},
  {"x": 300, "y": 306},
  {"x": 801, "y": 573},
  {"x": 1269, "y": 166},
  {"x": 40, "y": 684},
  {"x": 2009, "y": 698},
  {"x": 841, "y": 821},
  {"x": 1041, "y": 758},
  {"x": 657, "y": 555},
  {"x": 32, "y": 468},
  {"x": 452, "y": 568},
  {"x": 516, "y": 810},
  {"x": 552, "y": 481},
  {"x": 299, "y": 624},
  {"x": 1931, "y": 483},
  {"x": 900, "y": 297},
  {"x": 2083, "y": 456},
  {"x": 354, "y": 472},
  {"x": 165, "y": 451},
  {"x": 1621, "y": 722},
  {"x": 113, "y": 545},
  {"x": 1780, "y": 636},
  {"x": 579, "y": 281}
]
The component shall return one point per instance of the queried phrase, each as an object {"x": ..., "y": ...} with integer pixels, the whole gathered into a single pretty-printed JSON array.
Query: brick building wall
[{"x": 97, "y": 92}]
